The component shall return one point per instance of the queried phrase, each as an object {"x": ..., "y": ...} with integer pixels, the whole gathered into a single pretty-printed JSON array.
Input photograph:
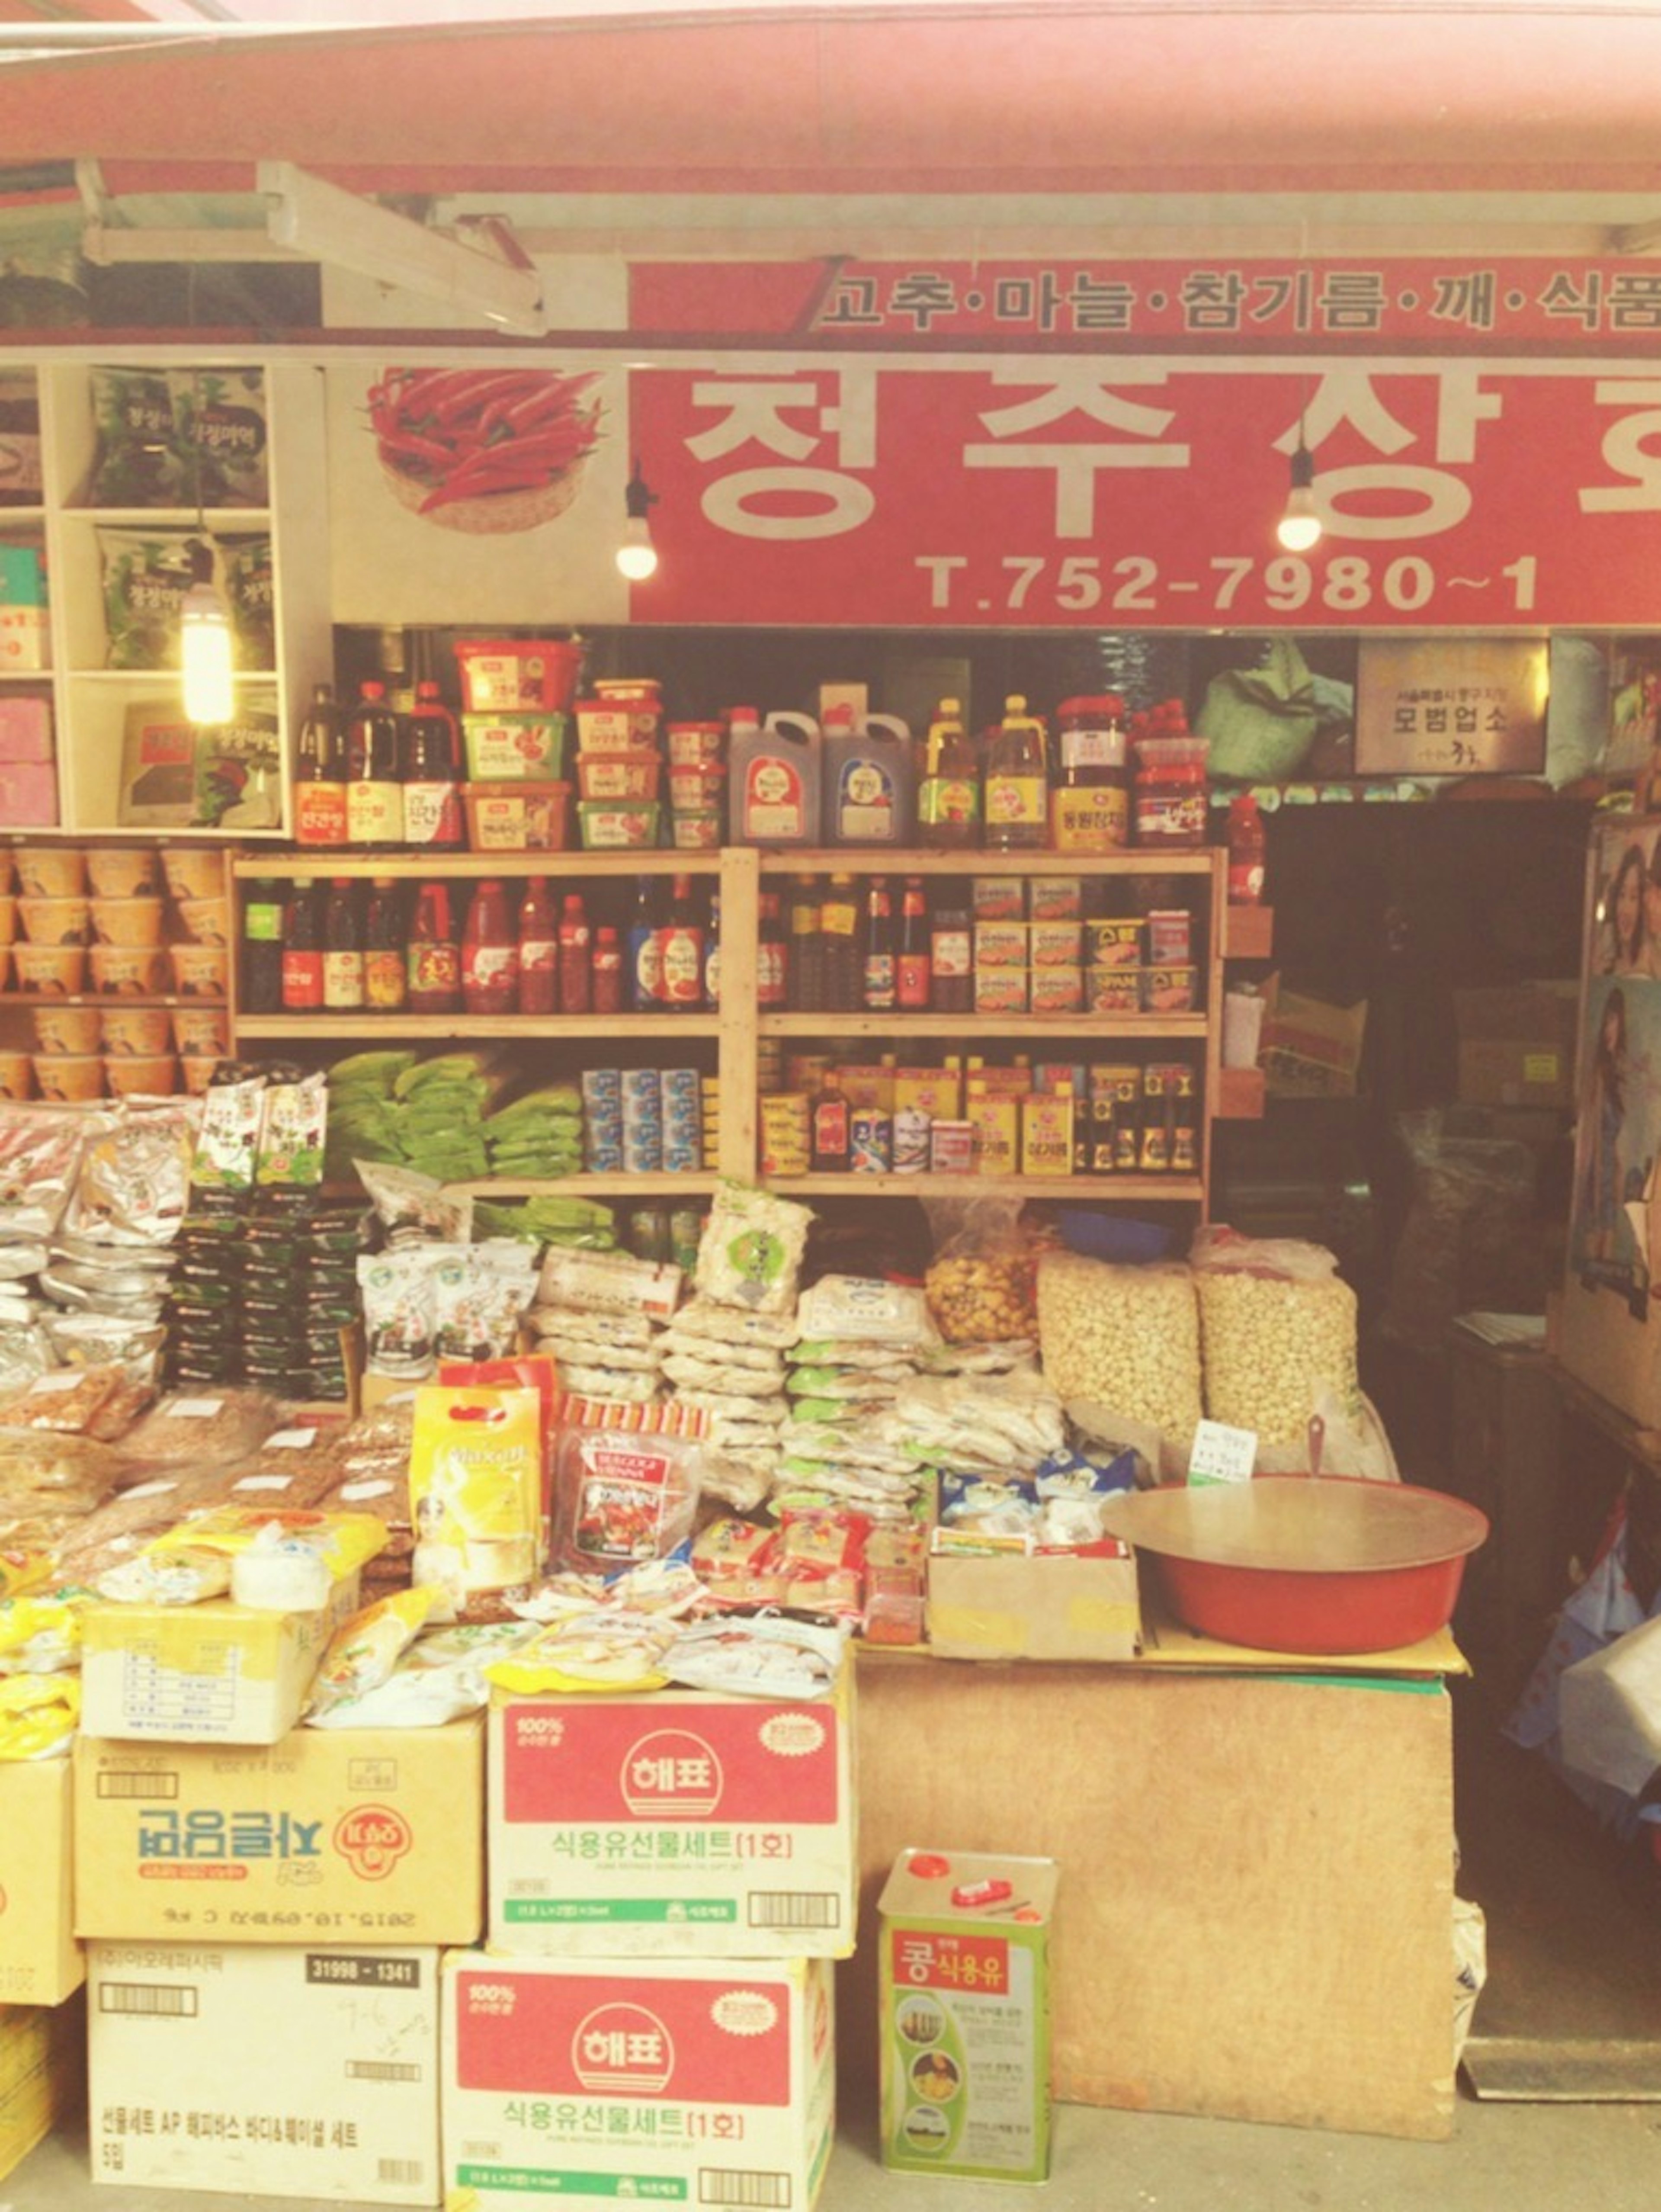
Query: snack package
[
  {"x": 413, "y": 1209},
  {"x": 867, "y": 1308},
  {"x": 228, "y": 1139},
  {"x": 621, "y": 1498},
  {"x": 40, "y": 1149},
  {"x": 399, "y": 1293},
  {"x": 277, "y": 1561},
  {"x": 760, "y": 1658},
  {"x": 218, "y": 1428},
  {"x": 293, "y": 1124},
  {"x": 66, "y": 1399},
  {"x": 480, "y": 1294},
  {"x": 980, "y": 1285},
  {"x": 41, "y": 1632},
  {"x": 749, "y": 1255},
  {"x": 39, "y": 1714},
  {"x": 608, "y": 1648},
  {"x": 363, "y": 1651},
  {"x": 609, "y": 1282},
  {"x": 132, "y": 1184},
  {"x": 476, "y": 1495},
  {"x": 701, "y": 1319},
  {"x": 440, "y": 1677}
]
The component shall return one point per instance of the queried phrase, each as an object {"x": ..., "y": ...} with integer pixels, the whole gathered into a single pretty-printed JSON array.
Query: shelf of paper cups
[{"x": 102, "y": 917}]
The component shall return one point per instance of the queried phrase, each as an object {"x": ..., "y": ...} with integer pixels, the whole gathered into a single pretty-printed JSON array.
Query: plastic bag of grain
[
  {"x": 1123, "y": 1337},
  {"x": 1277, "y": 1330}
]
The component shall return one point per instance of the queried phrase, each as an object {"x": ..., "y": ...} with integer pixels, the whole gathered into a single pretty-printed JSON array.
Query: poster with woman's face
[{"x": 1611, "y": 1335}]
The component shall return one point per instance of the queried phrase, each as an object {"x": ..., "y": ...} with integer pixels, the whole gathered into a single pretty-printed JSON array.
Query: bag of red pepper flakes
[
  {"x": 485, "y": 451},
  {"x": 622, "y": 1497}
]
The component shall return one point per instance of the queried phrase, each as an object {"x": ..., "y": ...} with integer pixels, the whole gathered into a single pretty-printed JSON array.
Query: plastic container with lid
[
  {"x": 1090, "y": 803},
  {"x": 775, "y": 775},
  {"x": 869, "y": 776},
  {"x": 518, "y": 675},
  {"x": 1170, "y": 792}
]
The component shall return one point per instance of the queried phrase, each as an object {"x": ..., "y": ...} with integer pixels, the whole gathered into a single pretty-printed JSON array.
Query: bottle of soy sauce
[{"x": 261, "y": 980}]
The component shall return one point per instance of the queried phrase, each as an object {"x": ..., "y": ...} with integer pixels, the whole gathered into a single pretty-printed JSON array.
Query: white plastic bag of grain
[
  {"x": 1277, "y": 1331},
  {"x": 750, "y": 1253},
  {"x": 1125, "y": 1338}
]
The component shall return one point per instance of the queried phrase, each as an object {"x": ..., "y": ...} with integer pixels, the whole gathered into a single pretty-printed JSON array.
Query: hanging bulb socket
[
  {"x": 636, "y": 555},
  {"x": 1299, "y": 525}
]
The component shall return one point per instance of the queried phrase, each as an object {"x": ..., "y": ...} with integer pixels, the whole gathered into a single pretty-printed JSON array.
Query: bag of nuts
[
  {"x": 980, "y": 1284},
  {"x": 1277, "y": 1326},
  {"x": 1126, "y": 1339}
]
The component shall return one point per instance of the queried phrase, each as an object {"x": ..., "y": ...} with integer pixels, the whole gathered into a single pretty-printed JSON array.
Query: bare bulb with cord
[
  {"x": 636, "y": 555},
  {"x": 1299, "y": 525}
]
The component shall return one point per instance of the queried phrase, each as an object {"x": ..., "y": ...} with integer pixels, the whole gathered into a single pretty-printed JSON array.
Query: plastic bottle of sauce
[
  {"x": 343, "y": 949},
  {"x": 261, "y": 977},
  {"x": 645, "y": 961},
  {"x": 489, "y": 953},
  {"x": 576, "y": 956},
  {"x": 1090, "y": 805},
  {"x": 839, "y": 926},
  {"x": 1017, "y": 785},
  {"x": 374, "y": 792},
  {"x": 682, "y": 950},
  {"x": 948, "y": 795},
  {"x": 805, "y": 962},
  {"x": 913, "y": 967},
  {"x": 1247, "y": 849},
  {"x": 432, "y": 775},
  {"x": 876, "y": 950},
  {"x": 608, "y": 971},
  {"x": 435, "y": 955},
  {"x": 830, "y": 1128},
  {"x": 713, "y": 954},
  {"x": 772, "y": 955},
  {"x": 539, "y": 950},
  {"x": 302, "y": 949},
  {"x": 386, "y": 967},
  {"x": 320, "y": 772}
]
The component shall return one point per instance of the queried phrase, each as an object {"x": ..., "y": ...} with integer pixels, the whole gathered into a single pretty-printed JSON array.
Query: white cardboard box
[
  {"x": 697, "y": 2080},
  {"x": 300, "y": 2072},
  {"x": 674, "y": 1823},
  {"x": 214, "y": 1673}
]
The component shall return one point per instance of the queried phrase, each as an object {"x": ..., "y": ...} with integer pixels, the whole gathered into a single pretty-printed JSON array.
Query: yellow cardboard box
[
  {"x": 333, "y": 1835},
  {"x": 1049, "y": 1605},
  {"x": 40, "y": 1962},
  {"x": 43, "y": 2074}
]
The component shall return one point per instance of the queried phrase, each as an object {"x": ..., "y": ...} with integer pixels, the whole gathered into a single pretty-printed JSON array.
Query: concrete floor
[{"x": 1523, "y": 2158}]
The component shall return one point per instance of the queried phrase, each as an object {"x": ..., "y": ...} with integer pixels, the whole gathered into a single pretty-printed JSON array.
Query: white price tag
[
  {"x": 1223, "y": 1454},
  {"x": 48, "y": 1386},
  {"x": 194, "y": 1409},
  {"x": 264, "y": 1482},
  {"x": 351, "y": 1491},
  {"x": 289, "y": 1440}
]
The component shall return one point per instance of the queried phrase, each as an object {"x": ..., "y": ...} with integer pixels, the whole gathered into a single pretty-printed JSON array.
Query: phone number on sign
[{"x": 1346, "y": 583}]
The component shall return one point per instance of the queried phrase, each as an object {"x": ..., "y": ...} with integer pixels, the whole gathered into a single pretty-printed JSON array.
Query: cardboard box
[
  {"x": 701, "y": 2082},
  {"x": 1265, "y": 1939},
  {"x": 295, "y": 2072},
  {"x": 40, "y": 1962},
  {"x": 214, "y": 1673},
  {"x": 333, "y": 1835},
  {"x": 674, "y": 1822},
  {"x": 43, "y": 2074},
  {"x": 1048, "y": 1605},
  {"x": 1309, "y": 1048},
  {"x": 965, "y": 2014},
  {"x": 28, "y": 795},
  {"x": 1517, "y": 1044}
]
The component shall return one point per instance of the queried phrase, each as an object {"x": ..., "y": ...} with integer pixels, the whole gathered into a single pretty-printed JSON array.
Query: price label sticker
[{"x": 1222, "y": 1454}]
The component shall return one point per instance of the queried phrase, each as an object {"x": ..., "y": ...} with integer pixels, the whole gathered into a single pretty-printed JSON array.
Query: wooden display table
[{"x": 1257, "y": 1873}]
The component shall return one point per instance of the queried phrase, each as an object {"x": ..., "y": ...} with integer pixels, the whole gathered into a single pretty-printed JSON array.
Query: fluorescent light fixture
[
  {"x": 1299, "y": 525},
  {"x": 319, "y": 221},
  {"x": 636, "y": 555},
  {"x": 205, "y": 645}
]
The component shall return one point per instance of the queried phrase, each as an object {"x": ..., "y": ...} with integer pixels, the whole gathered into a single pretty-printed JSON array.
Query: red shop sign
[{"x": 1139, "y": 493}]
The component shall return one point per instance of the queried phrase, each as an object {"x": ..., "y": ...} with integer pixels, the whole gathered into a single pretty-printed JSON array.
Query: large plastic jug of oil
[
  {"x": 871, "y": 780},
  {"x": 773, "y": 773}
]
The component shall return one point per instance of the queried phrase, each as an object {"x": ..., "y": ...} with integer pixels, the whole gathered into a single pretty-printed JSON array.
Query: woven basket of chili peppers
[{"x": 484, "y": 451}]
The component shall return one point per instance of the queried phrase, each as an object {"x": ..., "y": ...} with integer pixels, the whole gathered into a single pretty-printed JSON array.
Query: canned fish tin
[{"x": 870, "y": 1141}]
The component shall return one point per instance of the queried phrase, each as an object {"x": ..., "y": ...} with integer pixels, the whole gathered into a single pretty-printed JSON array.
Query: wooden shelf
[
  {"x": 319, "y": 1028},
  {"x": 602, "y": 1186},
  {"x": 1106, "y": 1189},
  {"x": 325, "y": 861},
  {"x": 965, "y": 1027},
  {"x": 884, "y": 859},
  {"x": 181, "y": 1002}
]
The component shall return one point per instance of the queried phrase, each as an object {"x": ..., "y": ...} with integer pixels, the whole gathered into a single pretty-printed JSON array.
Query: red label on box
[
  {"x": 696, "y": 2041},
  {"x": 925, "y": 1961},
  {"x": 657, "y": 1762}
]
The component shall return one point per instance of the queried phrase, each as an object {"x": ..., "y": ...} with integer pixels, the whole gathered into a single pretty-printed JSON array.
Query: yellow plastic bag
[{"x": 39, "y": 1714}]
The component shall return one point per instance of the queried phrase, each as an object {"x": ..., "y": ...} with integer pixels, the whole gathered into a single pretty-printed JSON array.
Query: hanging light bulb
[
  {"x": 637, "y": 556},
  {"x": 1299, "y": 525},
  {"x": 205, "y": 643}
]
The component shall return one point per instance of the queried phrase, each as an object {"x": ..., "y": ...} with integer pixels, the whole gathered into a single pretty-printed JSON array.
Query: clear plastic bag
[{"x": 1278, "y": 1338}]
